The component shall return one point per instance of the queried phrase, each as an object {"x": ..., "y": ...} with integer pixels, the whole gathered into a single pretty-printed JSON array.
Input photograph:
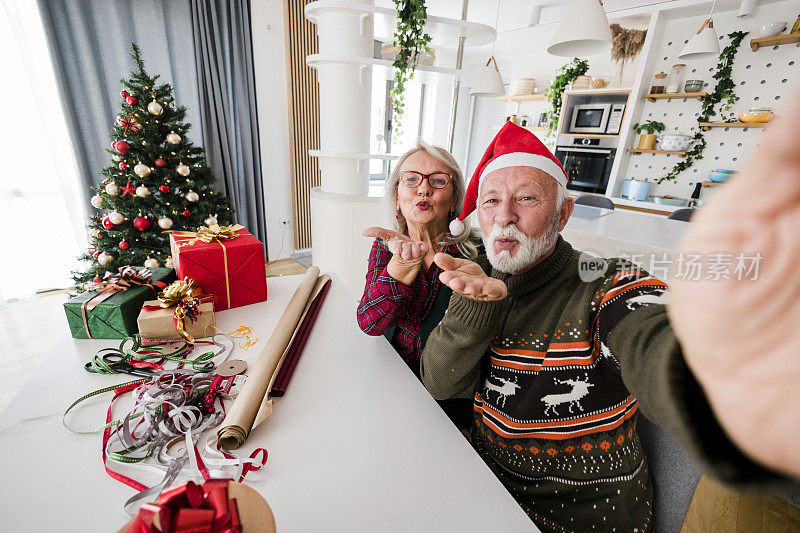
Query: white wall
[{"x": 267, "y": 20}]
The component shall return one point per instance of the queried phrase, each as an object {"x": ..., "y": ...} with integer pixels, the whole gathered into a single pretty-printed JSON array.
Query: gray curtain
[
  {"x": 224, "y": 56},
  {"x": 202, "y": 48},
  {"x": 89, "y": 43}
]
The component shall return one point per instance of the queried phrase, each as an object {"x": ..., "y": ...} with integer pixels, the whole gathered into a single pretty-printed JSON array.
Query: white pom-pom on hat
[{"x": 456, "y": 227}]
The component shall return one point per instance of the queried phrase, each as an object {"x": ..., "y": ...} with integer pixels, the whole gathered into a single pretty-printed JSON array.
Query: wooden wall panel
[{"x": 303, "y": 99}]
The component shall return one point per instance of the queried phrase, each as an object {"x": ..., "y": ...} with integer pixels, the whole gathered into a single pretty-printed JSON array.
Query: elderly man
[{"x": 558, "y": 363}]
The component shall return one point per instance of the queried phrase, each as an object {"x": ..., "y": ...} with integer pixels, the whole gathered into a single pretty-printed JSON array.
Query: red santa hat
[{"x": 513, "y": 146}]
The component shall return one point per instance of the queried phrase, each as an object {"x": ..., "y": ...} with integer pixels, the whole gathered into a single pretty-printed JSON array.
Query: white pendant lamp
[
  {"x": 489, "y": 82},
  {"x": 583, "y": 32},
  {"x": 704, "y": 43}
]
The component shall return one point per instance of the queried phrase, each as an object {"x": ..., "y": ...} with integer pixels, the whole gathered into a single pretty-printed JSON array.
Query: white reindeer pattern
[
  {"x": 580, "y": 388},
  {"x": 659, "y": 296},
  {"x": 508, "y": 388}
]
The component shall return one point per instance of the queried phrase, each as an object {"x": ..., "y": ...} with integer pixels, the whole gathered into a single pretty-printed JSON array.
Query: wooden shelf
[
  {"x": 522, "y": 97},
  {"x": 708, "y": 125},
  {"x": 681, "y": 153},
  {"x": 788, "y": 38},
  {"x": 534, "y": 128},
  {"x": 712, "y": 184},
  {"x": 670, "y": 96}
]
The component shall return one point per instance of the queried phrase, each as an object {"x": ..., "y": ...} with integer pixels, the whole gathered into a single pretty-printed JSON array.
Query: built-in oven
[{"x": 587, "y": 161}]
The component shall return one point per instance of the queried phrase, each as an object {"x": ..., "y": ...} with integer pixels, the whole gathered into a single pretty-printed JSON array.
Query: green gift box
[{"x": 114, "y": 316}]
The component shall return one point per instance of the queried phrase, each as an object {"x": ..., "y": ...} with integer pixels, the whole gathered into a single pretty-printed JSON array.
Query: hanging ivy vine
[
  {"x": 566, "y": 75},
  {"x": 412, "y": 40},
  {"x": 723, "y": 93}
]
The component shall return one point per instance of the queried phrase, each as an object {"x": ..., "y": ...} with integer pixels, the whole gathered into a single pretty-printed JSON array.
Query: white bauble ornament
[
  {"x": 112, "y": 189},
  {"x": 115, "y": 157},
  {"x": 168, "y": 262},
  {"x": 182, "y": 169},
  {"x": 210, "y": 221},
  {"x": 96, "y": 201},
  {"x": 192, "y": 196},
  {"x": 94, "y": 232},
  {"x": 142, "y": 191},
  {"x": 164, "y": 222},
  {"x": 116, "y": 218},
  {"x": 104, "y": 258},
  {"x": 173, "y": 138},
  {"x": 155, "y": 108},
  {"x": 141, "y": 170},
  {"x": 150, "y": 263}
]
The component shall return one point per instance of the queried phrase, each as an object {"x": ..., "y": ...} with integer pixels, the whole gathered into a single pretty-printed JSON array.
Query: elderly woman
[{"x": 403, "y": 298}]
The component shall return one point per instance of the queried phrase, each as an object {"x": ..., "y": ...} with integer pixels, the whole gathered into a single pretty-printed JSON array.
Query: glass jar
[
  {"x": 658, "y": 83},
  {"x": 675, "y": 78}
]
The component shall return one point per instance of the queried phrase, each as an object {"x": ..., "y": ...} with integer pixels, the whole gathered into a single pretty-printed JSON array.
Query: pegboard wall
[{"x": 767, "y": 77}]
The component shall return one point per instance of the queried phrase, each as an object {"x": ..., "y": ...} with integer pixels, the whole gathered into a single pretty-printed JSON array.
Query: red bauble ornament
[
  {"x": 160, "y": 162},
  {"x": 124, "y": 245},
  {"x": 123, "y": 165},
  {"x": 163, "y": 189},
  {"x": 142, "y": 223},
  {"x": 97, "y": 279},
  {"x": 132, "y": 100},
  {"x": 123, "y": 94},
  {"x": 106, "y": 222},
  {"x": 100, "y": 235},
  {"x": 95, "y": 253},
  {"x": 186, "y": 213},
  {"x": 122, "y": 147}
]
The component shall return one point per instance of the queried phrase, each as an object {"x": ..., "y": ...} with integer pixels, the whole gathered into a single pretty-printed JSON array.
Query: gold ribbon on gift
[
  {"x": 124, "y": 279},
  {"x": 175, "y": 295},
  {"x": 209, "y": 234}
]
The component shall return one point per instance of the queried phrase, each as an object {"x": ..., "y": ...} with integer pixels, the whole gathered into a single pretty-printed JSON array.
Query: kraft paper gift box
[
  {"x": 233, "y": 269},
  {"x": 160, "y": 324},
  {"x": 93, "y": 315}
]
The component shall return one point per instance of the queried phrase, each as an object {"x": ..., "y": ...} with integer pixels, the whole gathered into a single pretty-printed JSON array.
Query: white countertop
[
  {"x": 621, "y": 231},
  {"x": 357, "y": 444}
]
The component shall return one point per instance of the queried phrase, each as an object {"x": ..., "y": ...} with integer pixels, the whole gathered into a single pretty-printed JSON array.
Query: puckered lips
[
  {"x": 504, "y": 243},
  {"x": 424, "y": 205}
]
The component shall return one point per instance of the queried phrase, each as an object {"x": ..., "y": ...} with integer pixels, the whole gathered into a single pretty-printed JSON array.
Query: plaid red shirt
[{"x": 387, "y": 303}]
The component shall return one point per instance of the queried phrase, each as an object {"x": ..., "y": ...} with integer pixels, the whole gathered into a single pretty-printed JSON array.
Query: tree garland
[
  {"x": 567, "y": 74},
  {"x": 412, "y": 40},
  {"x": 723, "y": 92}
]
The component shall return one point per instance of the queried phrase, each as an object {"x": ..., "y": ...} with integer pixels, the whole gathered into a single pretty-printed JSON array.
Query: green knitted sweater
[{"x": 558, "y": 371}]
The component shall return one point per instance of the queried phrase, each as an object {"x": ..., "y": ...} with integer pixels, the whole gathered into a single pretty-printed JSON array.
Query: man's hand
[
  {"x": 407, "y": 255},
  {"x": 468, "y": 279},
  {"x": 741, "y": 337}
]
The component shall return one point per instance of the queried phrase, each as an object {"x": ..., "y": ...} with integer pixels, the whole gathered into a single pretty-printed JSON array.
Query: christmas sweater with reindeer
[{"x": 558, "y": 371}]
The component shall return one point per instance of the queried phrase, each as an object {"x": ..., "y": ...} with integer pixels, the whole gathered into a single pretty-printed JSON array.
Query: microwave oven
[{"x": 597, "y": 118}]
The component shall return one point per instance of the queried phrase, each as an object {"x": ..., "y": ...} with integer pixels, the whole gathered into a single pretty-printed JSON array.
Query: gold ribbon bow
[
  {"x": 209, "y": 234},
  {"x": 175, "y": 295}
]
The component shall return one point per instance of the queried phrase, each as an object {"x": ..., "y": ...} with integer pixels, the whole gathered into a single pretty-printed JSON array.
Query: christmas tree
[{"x": 158, "y": 180}]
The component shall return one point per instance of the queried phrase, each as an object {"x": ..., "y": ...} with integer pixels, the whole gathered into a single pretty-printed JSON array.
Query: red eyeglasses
[{"x": 413, "y": 179}]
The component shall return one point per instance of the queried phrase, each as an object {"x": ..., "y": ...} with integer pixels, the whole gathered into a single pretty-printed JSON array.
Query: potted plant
[{"x": 647, "y": 141}]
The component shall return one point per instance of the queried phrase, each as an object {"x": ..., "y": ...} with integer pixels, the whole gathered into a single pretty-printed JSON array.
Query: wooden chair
[{"x": 682, "y": 214}]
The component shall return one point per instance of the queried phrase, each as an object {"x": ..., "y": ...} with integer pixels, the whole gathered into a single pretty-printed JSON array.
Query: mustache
[{"x": 507, "y": 231}]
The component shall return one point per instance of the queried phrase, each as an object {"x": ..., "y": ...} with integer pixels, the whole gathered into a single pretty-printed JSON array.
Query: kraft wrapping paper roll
[{"x": 240, "y": 419}]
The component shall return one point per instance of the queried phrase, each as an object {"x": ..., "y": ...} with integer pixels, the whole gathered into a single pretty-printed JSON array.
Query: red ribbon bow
[
  {"x": 190, "y": 508},
  {"x": 128, "y": 123}
]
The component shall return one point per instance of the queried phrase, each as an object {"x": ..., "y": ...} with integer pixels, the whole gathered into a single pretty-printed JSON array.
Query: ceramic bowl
[
  {"x": 674, "y": 142},
  {"x": 718, "y": 177},
  {"x": 693, "y": 86},
  {"x": 668, "y": 201},
  {"x": 725, "y": 171},
  {"x": 771, "y": 29}
]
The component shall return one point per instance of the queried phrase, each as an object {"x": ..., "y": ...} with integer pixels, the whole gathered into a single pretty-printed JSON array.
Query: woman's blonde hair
[{"x": 464, "y": 242}]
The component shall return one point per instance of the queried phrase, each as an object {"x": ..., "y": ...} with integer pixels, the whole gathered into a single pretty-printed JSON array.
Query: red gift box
[{"x": 227, "y": 262}]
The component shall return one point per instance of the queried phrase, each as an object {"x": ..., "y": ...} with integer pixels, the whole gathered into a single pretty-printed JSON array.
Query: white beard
[{"x": 529, "y": 250}]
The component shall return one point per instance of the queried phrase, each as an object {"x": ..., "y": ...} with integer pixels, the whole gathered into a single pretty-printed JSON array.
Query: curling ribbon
[
  {"x": 208, "y": 234},
  {"x": 181, "y": 294},
  {"x": 111, "y": 284}
]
